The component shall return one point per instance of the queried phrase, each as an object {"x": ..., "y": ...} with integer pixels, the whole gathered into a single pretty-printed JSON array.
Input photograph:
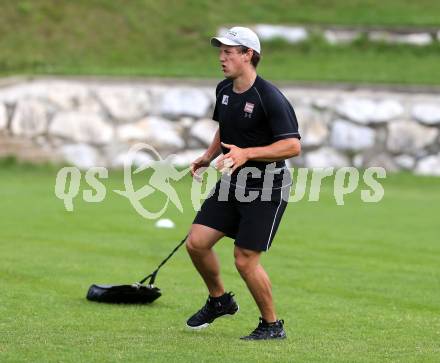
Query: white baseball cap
[{"x": 238, "y": 35}]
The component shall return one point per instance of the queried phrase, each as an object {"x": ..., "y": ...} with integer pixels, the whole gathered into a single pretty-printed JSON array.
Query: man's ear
[{"x": 250, "y": 53}]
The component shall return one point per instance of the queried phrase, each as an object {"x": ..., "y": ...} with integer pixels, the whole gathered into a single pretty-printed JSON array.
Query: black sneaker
[
  {"x": 214, "y": 308},
  {"x": 267, "y": 330}
]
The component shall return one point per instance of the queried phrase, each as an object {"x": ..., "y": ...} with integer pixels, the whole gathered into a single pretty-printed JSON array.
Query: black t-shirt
[{"x": 257, "y": 117}]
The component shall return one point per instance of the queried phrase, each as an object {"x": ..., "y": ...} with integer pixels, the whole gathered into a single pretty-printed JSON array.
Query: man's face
[{"x": 232, "y": 61}]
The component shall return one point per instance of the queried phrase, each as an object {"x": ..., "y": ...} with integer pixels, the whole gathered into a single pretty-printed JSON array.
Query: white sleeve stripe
[
  {"x": 288, "y": 133},
  {"x": 261, "y": 100},
  {"x": 221, "y": 89}
]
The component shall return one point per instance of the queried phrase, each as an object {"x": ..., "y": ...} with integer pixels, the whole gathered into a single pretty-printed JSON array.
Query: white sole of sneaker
[
  {"x": 200, "y": 327},
  {"x": 204, "y": 326}
]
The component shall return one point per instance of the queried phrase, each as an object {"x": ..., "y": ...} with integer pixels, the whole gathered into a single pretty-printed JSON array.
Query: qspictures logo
[{"x": 301, "y": 183}]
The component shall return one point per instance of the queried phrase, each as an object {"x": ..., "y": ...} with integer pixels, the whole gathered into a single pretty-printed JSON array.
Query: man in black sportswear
[{"x": 258, "y": 130}]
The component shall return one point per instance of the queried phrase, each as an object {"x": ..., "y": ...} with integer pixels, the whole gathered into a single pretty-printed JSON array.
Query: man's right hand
[{"x": 201, "y": 162}]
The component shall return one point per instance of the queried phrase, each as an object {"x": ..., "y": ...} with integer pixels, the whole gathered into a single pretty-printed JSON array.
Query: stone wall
[
  {"x": 345, "y": 35},
  {"x": 94, "y": 122}
]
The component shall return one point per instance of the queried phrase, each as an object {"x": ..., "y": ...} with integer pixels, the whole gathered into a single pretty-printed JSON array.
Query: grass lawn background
[
  {"x": 171, "y": 39},
  {"x": 354, "y": 283}
]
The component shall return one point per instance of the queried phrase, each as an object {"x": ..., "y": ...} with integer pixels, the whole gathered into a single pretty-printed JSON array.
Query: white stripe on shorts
[{"x": 275, "y": 218}]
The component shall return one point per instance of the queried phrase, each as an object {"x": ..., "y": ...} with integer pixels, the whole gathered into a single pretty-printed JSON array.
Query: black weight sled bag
[{"x": 136, "y": 293}]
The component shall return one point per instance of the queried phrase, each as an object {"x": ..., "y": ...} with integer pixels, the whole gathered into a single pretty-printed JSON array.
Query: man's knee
[
  {"x": 245, "y": 260},
  {"x": 201, "y": 238},
  {"x": 197, "y": 242},
  {"x": 242, "y": 265},
  {"x": 193, "y": 243}
]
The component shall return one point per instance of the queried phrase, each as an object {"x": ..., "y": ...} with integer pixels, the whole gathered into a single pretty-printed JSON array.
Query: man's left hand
[{"x": 237, "y": 155}]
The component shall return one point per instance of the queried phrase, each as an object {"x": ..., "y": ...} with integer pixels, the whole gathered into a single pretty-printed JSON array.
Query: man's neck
[{"x": 244, "y": 81}]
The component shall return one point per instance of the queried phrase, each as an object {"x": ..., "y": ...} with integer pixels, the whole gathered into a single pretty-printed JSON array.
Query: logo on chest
[
  {"x": 225, "y": 99},
  {"x": 248, "y": 109}
]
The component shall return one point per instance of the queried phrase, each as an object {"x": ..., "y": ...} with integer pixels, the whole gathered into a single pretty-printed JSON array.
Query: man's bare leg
[
  {"x": 257, "y": 281},
  {"x": 199, "y": 245}
]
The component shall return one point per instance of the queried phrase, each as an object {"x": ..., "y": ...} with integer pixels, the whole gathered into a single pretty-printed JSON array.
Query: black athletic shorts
[{"x": 252, "y": 224}]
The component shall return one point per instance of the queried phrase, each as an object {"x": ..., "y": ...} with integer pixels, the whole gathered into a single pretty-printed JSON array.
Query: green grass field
[
  {"x": 171, "y": 39},
  {"x": 354, "y": 283}
]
